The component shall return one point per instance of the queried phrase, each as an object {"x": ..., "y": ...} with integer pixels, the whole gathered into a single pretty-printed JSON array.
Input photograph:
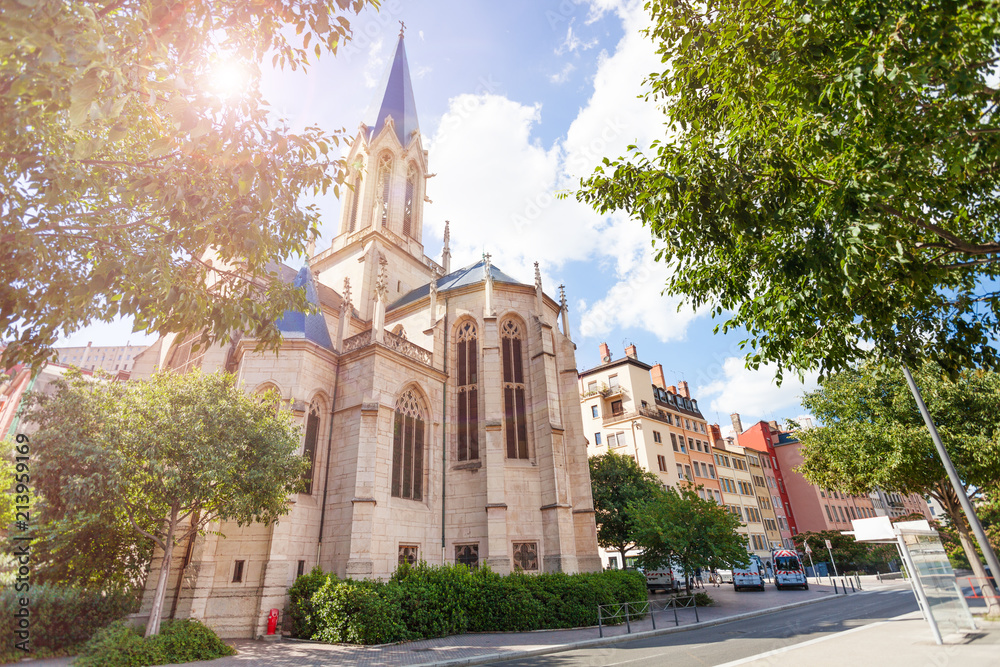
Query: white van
[
  {"x": 661, "y": 578},
  {"x": 750, "y": 575},
  {"x": 788, "y": 570}
]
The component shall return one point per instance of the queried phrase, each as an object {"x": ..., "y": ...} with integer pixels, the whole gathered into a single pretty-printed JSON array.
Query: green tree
[
  {"x": 617, "y": 481},
  {"x": 874, "y": 437},
  {"x": 827, "y": 177},
  {"x": 677, "y": 526},
  {"x": 175, "y": 453},
  {"x": 133, "y": 185},
  {"x": 848, "y": 553}
]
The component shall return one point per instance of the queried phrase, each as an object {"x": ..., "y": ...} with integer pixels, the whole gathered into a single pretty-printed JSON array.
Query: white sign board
[
  {"x": 828, "y": 545},
  {"x": 875, "y": 529}
]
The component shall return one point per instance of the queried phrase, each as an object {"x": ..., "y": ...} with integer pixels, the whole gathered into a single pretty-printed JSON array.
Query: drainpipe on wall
[{"x": 444, "y": 417}]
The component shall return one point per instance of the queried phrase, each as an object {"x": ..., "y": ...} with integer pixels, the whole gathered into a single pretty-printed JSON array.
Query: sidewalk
[{"x": 904, "y": 640}]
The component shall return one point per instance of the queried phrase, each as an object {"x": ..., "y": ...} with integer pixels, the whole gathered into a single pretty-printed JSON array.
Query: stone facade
[{"x": 400, "y": 472}]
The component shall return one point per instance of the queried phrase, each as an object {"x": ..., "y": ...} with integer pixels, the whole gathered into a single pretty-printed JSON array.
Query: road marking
[{"x": 785, "y": 649}]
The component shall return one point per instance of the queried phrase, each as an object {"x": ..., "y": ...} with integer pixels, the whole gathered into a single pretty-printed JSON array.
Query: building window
[
  {"x": 309, "y": 447},
  {"x": 612, "y": 562},
  {"x": 468, "y": 555},
  {"x": 613, "y": 382},
  {"x": 661, "y": 462},
  {"x": 612, "y": 440},
  {"x": 408, "y": 554},
  {"x": 515, "y": 415},
  {"x": 657, "y": 437},
  {"x": 840, "y": 511},
  {"x": 408, "y": 448},
  {"x": 616, "y": 408},
  {"x": 468, "y": 393},
  {"x": 687, "y": 473},
  {"x": 593, "y": 411},
  {"x": 238, "y": 571},
  {"x": 383, "y": 188},
  {"x": 828, "y": 515},
  {"x": 411, "y": 188},
  {"x": 680, "y": 471},
  {"x": 673, "y": 441},
  {"x": 526, "y": 556},
  {"x": 352, "y": 220},
  {"x": 300, "y": 570}
]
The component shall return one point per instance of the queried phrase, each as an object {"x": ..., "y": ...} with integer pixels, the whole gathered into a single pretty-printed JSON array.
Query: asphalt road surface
[{"x": 739, "y": 639}]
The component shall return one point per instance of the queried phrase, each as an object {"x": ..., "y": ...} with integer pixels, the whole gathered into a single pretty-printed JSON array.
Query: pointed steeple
[{"x": 397, "y": 98}]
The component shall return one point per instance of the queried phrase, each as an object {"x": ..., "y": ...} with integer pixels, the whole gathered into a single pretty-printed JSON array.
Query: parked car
[
  {"x": 725, "y": 576},
  {"x": 661, "y": 578},
  {"x": 750, "y": 575}
]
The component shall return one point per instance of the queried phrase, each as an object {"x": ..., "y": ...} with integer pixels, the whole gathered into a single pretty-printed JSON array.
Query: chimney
[
  {"x": 656, "y": 374},
  {"x": 737, "y": 424},
  {"x": 605, "y": 353},
  {"x": 630, "y": 352},
  {"x": 774, "y": 425},
  {"x": 683, "y": 386},
  {"x": 672, "y": 389},
  {"x": 716, "y": 434}
]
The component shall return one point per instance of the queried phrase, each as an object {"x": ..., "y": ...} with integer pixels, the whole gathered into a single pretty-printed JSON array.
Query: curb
[{"x": 607, "y": 641}]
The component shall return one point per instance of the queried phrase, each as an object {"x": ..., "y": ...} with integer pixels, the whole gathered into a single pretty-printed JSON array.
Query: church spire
[{"x": 397, "y": 97}]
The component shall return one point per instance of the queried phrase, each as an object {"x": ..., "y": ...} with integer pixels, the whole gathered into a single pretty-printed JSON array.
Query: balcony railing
[{"x": 650, "y": 413}]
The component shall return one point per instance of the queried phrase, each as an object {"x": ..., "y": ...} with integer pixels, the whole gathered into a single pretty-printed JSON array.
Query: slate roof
[
  {"x": 397, "y": 98},
  {"x": 299, "y": 326},
  {"x": 470, "y": 275}
]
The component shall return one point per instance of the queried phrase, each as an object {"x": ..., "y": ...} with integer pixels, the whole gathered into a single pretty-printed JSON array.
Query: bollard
[
  {"x": 600, "y": 626},
  {"x": 835, "y": 591},
  {"x": 673, "y": 603},
  {"x": 852, "y": 586},
  {"x": 628, "y": 626},
  {"x": 858, "y": 577},
  {"x": 696, "y": 619},
  {"x": 652, "y": 616}
]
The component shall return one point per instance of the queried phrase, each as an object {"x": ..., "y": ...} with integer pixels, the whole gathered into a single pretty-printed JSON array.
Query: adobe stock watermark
[
  {"x": 20, "y": 538},
  {"x": 583, "y": 160},
  {"x": 373, "y": 26}
]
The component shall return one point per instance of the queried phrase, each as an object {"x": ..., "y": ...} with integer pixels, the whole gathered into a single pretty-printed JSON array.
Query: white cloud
[
  {"x": 376, "y": 63},
  {"x": 421, "y": 33},
  {"x": 422, "y": 71},
  {"x": 573, "y": 43},
  {"x": 753, "y": 394},
  {"x": 500, "y": 197},
  {"x": 563, "y": 75}
]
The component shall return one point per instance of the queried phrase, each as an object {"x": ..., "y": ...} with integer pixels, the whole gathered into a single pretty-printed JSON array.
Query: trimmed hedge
[
  {"x": 422, "y": 601},
  {"x": 61, "y": 618},
  {"x": 120, "y": 645},
  {"x": 301, "y": 612}
]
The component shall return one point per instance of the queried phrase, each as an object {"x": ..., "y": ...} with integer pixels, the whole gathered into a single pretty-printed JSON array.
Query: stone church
[{"x": 439, "y": 407}]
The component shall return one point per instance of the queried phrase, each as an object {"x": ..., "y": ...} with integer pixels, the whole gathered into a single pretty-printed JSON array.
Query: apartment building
[
  {"x": 627, "y": 408},
  {"x": 739, "y": 495},
  {"x": 761, "y": 437},
  {"x": 756, "y": 461},
  {"x": 110, "y": 358}
]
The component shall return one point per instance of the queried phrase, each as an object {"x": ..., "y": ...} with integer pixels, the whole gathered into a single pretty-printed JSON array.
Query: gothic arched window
[
  {"x": 309, "y": 448},
  {"x": 411, "y": 189},
  {"x": 514, "y": 413},
  {"x": 468, "y": 393},
  {"x": 408, "y": 448},
  {"x": 187, "y": 355},
  {"x": 383, "y": 183},
  {"x": 352, "y": 222}
]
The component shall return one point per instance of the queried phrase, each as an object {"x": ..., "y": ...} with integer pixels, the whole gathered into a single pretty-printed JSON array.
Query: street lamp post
[{"x": 956, "y": 482}]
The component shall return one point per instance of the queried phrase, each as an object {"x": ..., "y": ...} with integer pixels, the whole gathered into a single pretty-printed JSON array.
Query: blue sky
[{"x": 516, "y": 101}]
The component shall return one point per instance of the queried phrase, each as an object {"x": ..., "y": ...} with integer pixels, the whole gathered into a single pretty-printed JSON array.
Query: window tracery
[
  {"x": 468, "y": 392},
  {"x": 515, "y": 413},
  {"x": 408, "y": 448},
  {"x": 309, "y": 447},
  {"x": 410, "y": 193},
  {"x": 384, "y": 182}
]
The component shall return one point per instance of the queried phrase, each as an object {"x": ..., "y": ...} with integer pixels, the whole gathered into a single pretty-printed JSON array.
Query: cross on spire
[{"x": 402, "y": 27}]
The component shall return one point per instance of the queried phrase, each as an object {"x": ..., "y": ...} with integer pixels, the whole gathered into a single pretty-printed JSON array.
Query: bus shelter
[{"x": 938, "y": 594}]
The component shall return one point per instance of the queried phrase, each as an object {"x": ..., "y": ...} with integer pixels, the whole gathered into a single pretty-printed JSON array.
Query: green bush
[
  {"x": 121, "y": 645},
  {"x": 358, "y": 612},
  {"x": 703, "y": 600},
  {"x": 423, "y": 601},
  {"x": 61, "y": 618},
  {"x": 300, "y": 608}
]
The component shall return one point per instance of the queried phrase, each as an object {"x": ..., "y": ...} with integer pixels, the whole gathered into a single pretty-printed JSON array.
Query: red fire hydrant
[{"x": 272, "y": 622}]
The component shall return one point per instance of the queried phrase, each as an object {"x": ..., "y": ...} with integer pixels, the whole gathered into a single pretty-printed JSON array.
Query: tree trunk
[
  {"x": 621, "y": 551},
  {"x": 156, "y": 613},
  {"x": 958, "y": 520}
]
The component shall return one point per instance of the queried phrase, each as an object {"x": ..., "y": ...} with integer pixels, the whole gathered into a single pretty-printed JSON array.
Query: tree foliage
[
  {"x": 617, "y": 482},
  {"x": 827, "y": 176},
  {"x": 132, "y": 185},
  {"x": 172, "y": 454},
  {"x": 874, "y": 436},
  {"x": 848, "y": 553},
  {"x": 677, "y": 526}
]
